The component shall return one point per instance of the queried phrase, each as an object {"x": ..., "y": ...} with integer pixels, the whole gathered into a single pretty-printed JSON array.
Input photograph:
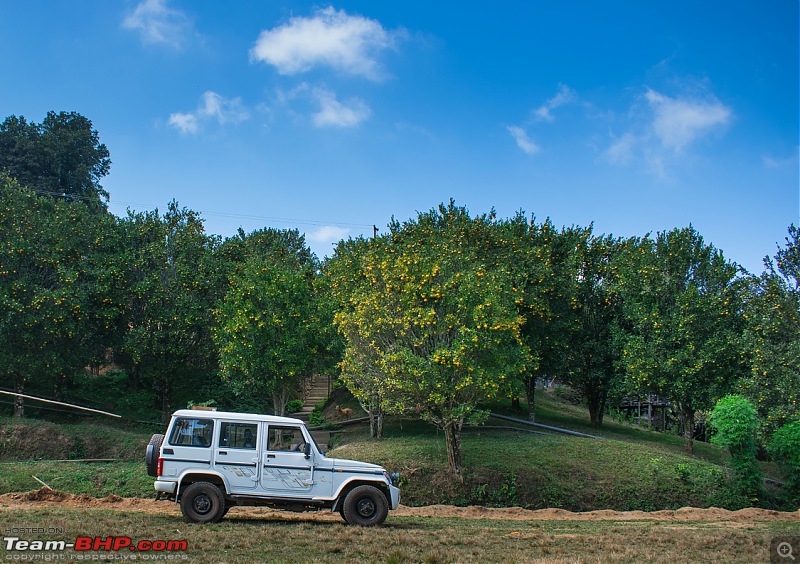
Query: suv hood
[{"x": 344, "y": 464}]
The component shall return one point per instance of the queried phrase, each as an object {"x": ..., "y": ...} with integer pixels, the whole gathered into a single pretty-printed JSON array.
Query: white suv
[{"x": 210, "y": 461}]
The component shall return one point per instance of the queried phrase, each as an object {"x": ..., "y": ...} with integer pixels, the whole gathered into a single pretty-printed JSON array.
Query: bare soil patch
[{"x": 48, "y": 497}]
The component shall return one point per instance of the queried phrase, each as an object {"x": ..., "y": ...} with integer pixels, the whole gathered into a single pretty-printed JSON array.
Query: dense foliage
[
  {"x": 434, "y": 318},
  {"x": 785, "y": 448},
  {"x": 431, "y": 318},
  {"x": 681, "y": 322},
  {"x": 735, "y": 421},
  {"x": 61, "y": 157}
]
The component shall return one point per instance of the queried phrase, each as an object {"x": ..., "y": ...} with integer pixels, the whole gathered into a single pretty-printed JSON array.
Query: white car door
[
  {"x": 236, "y": 454},
  {"x": 285, "y": 467}
]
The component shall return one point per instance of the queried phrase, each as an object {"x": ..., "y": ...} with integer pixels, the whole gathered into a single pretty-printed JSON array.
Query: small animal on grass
[{"x": 346, "y": 412}]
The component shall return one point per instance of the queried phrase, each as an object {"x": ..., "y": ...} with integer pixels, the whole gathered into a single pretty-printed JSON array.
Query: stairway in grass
[{"x": 316, "y": 392}]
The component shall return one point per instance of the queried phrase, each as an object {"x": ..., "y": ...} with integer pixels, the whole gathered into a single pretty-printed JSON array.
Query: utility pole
[{"x": 375, "y": 231}]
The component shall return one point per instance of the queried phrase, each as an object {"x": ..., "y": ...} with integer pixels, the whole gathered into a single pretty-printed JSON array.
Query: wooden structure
[{"x": 650, "y": 409}]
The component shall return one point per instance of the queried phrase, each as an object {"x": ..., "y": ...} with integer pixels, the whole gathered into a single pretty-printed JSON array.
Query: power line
[{"x": 45, "y": 400}]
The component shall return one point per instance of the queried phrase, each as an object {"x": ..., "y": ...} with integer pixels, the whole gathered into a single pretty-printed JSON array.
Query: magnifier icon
[{"x": 784, "y": 550}]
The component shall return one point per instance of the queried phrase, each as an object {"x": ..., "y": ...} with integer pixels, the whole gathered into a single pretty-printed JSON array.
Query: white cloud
[
  {"x": 223, "y": 109},
  {"x": 658, "y": 129},
  {"x": 332, "y": 38},
  {"x": 211, "y": 106},
  {"x": 565, "y": 95},
  {"x": 622, "y": 149},
  {"x": 157, "y": 23},
  {"x": 780, "y": 162},
  {"x": 327, "y": 234},
  {"x": 185, "y": 123},
  {"x": 336, "y": 114},
  {"x": 679, "y": 121},
  {"x": 523, "y": 141}
]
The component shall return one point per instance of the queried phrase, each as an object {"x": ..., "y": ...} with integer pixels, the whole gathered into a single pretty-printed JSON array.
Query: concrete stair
[{"x": 315, "y": 393}]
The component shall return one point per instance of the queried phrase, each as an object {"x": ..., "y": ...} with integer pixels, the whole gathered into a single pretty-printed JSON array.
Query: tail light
[{"x": 160, "y": 466}]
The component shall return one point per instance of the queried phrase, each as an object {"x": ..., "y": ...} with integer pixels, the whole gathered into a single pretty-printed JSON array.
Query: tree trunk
[
  {"x": 530, "y": 395},
  {"x": 379, "y": 427},
  {"x": 134, "y": 377},
  {"x": 687, "y": 421},
  {"x": 58, "y": 387},
  {"x": 165, "y": 398},
  {"x": 19, "y": 403},
  {"x": 279, "y": 400},
  {"x": 452, "y": 435},
  {"x": 597, "y": 405},
  {"x": 375, "y": 422}
]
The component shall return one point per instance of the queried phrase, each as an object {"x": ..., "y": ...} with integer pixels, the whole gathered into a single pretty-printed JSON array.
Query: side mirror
[{"x": 307, "y": 450}]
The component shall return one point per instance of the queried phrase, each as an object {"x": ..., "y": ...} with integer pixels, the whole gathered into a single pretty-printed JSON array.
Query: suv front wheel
[
  {"x": 202, "y": 502},
  {"x": 365, "y": 506}
]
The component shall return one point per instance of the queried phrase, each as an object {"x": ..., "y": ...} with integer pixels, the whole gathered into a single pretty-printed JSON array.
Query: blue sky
[{"x": 637, "y": 116}]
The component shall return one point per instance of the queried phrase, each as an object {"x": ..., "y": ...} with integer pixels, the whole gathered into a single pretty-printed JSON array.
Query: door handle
[
  {"x": 270, "y": 456},
  {"x": 222, "y": 452}
]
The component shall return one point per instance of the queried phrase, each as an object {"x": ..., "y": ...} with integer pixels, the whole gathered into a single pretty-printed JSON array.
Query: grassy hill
[{"x": 631, "y": 468}]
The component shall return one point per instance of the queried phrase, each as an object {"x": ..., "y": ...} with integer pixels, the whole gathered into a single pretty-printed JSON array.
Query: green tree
[
  {"x": 266, "y": 330},
  {"x": 434, "y": 316},
  {"x": 785, "y": 449},
  {"x": 591, "y": 355},
  {"x": 772, "y": 337},
  {"x": 172, "y": 284},
  {"x": 61, "y": 157},
  {"x": 680, "y": 335},
  {"x": 735, "y": 421},
  {"x": 548, "y": 301},
  {"x": 342, "y": 277},
  {"x": 59, "y": 288}
]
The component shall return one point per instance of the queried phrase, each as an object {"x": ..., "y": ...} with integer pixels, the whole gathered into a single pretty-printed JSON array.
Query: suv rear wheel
[
  {"x": 365, "y": 506},
  {"x": 202, "y": 502}
]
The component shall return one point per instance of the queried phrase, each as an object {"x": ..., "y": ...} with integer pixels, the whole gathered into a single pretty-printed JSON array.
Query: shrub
[
  {"x": 785, "y": 449},
  {"x": 735, "y": 421},
  {"x": 294, "y": 406}
]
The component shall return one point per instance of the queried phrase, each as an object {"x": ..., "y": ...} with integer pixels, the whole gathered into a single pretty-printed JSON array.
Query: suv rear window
[
  {"x": 192, "y": 432},
  {"x": 238, "y": 435}
]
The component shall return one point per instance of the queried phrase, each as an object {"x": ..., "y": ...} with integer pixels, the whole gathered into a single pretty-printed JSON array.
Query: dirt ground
[{"x": 46, "y": 497}]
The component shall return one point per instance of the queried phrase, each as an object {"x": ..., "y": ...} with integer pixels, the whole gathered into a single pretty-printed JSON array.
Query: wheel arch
[
  {"x": 353, "y": 483},
  {"x": 192, "y": 476}
]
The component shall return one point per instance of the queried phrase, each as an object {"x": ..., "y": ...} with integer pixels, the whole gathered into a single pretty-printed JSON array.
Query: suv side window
[
  {"x": 192, "y": 432},
  {"x": 287, "y": 439},
  {"x": 238, "y": 435}
]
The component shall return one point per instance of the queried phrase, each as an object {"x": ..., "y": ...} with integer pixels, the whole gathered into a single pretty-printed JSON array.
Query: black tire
[
  {"x": 365, "y": 506},
  {"x": 227, "y": 508},
  {"x": 202, "y": 502},
  {"x": 151, "y": 456}
]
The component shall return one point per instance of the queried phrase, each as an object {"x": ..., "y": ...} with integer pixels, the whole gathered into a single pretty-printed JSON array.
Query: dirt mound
[{"x": 45, "y": 496}]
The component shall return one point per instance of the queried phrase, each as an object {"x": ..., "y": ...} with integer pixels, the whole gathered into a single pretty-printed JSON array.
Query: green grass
[
  {"x": 632, "y": 468},
  {"x": 32, "y": 439},
  {"x": 536, "y": 471},
  {"x": 551, "y": 411},
  {"x": 125, "y": 478}
]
